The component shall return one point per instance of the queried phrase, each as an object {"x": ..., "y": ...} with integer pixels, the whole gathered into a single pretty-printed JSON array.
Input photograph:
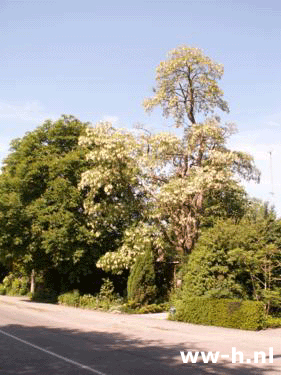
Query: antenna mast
[{"x": 271, "y": 173}]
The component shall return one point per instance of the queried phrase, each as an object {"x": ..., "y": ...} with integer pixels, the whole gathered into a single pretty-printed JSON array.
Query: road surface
[{"x": 43, "y": 339}]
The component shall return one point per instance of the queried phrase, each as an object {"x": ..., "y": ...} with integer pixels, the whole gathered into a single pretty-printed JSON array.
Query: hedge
[{"x": 249, "y": 315}]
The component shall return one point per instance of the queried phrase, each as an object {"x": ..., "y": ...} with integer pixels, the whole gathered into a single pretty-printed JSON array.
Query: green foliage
[
  {"x": 236, "y": 260},
  {"x": 224, "y": 204},
  {"x": 210, "y": 270},
  {"x": 141, "y": 282},
  {"x": 154, "y": 308},
  {"x": 45, "y": 295},
  {"x": 46, "y": 226},
  {"x": 70, "y": 298},
  {"x": 107, "y": 290},
  {"x": 272, "y": 322},
  {"x": 249, "y": 315},
  {"x": 2, "y": 290},
  {"x": 132, "y": 307},
  {"x": 88, "y": 301},
  {"x": 105, "y": 300},
  {"x": 16, "y": 284}
]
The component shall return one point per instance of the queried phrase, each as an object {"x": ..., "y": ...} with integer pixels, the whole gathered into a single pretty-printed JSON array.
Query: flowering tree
[
  {"x": 201, "y": 165},
  {"x": 186, "y": 84},
  {"x": 119, "y": 189},
  {"x": 113, "y": 198},
  {"x": 171, "y": 176},
  {"x": 150, "y": 188}
]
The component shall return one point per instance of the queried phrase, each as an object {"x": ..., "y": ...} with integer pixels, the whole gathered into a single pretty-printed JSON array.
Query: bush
[
  {"x": 272, "y": 322},
  {"x": 211, "y": 271},
  {"x": 135, "y": 308},
  {"x": 70, "y": 298},
  {"x": 148, "y": 309},
  {"x": 16, "y": 285},
  {"x": 88, "y": 301},
  {"x": 44, "y": 295},
  {"x": 141, "y": 282},
  {"x": 107, "y": 290},
  {"x": 2, "y": 290},
  {"x": 228, "y": 262},
  {"x": 248, "y": 315},
  {"x": 130, "y": 307},
  {"x": 105, "y": 300}
]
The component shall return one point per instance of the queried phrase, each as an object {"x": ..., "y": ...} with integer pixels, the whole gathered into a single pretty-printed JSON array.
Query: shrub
[
  {"x": 148, "y": 309},
  {"x": 248, "y": 315},
  {"x": 210, "y": 271},
  {"x": 105, "y": 300},
  {"x": 20, "y": 286},
  {"x": 70, "y": 298},
  {"x": 44, "y": 295},
  {"x": 2, "y": 290},
  {"x": 107, "y": 290},
  {"x": 16, "y": 285},
  {"x": 141, "y": 282},
  {"x": 131, "y": 307},
  {"x": 135, "y": 308},
  {"x": 7, "y": 281},
  {"x": 228, "y": 262},
  {"x": 272, "y": 322},
  {"x": 88, "y": 301}
]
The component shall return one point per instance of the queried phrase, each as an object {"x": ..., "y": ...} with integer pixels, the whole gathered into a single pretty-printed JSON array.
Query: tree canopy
[
  {"x": 39, "y": 194},
  {"x": 186, "y": 84},
  {"x": 237, "y": 260}
]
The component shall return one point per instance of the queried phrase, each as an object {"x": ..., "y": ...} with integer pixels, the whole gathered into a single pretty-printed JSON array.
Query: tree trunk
[{"x": 32, "y": 282}]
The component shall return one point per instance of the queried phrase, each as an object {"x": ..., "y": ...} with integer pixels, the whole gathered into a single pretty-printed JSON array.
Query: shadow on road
[{"x": 108, "y": 353}]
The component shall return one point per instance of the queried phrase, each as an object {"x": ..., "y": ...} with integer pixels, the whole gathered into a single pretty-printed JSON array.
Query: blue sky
[{"x": 97, "y": 59}]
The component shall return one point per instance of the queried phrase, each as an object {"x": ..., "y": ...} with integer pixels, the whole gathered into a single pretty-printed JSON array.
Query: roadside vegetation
[{"x": 99, "y": 217}]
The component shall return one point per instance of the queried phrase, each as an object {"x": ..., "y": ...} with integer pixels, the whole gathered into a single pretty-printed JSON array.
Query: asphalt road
[{"x": 46, "y": 339}]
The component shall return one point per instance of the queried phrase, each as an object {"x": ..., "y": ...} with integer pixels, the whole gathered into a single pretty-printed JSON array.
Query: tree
[
  {"x": 142, "y": 279},
  {"x": 166, "y": 178},
  {"x": 262, "y": 260},
  {"x": 13, "y": 223},
  {"x": 237, "y": 260},
  {"x": 46, "y": 227},
  {"x": 210, "y": 271},
  {"x": 155, "y": 180},
  {"x": 118, "y": 195},
  {"x": 186, "y": 85},
  {"x": 113, "y": 195},
  {"x": 201, "y": 165},
  {"x": 199, "y": 162},
  {"x": 223, "y": 204}
]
